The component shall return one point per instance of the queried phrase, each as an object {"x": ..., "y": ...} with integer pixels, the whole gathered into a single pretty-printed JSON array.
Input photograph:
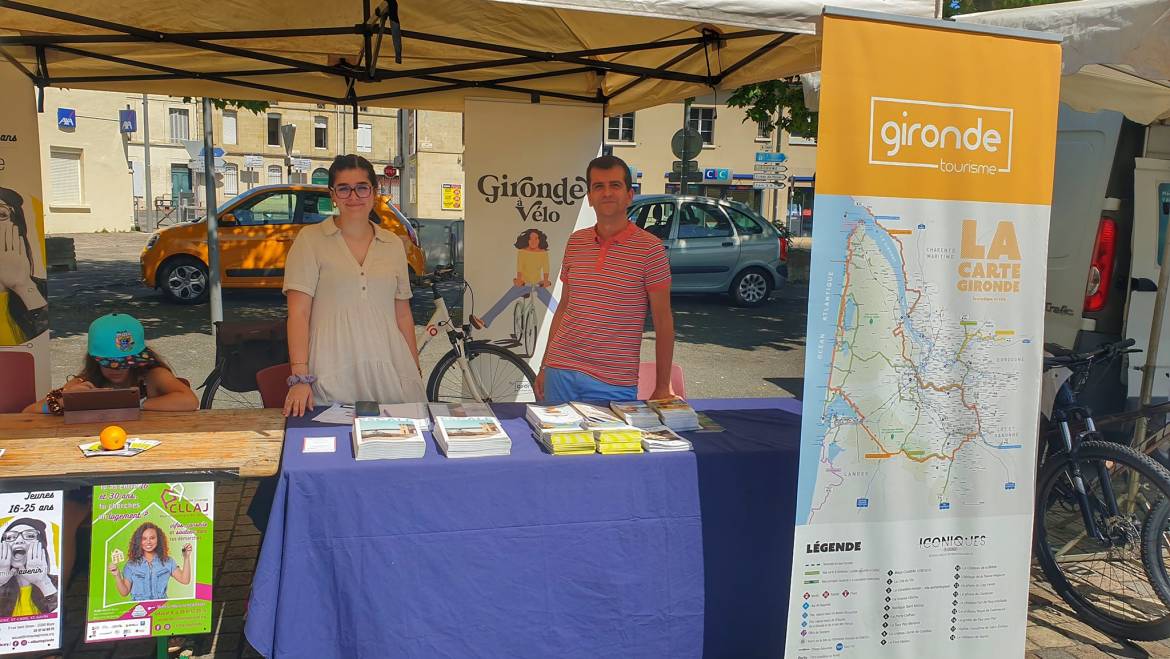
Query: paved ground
[{"x": 726, "y": 352}]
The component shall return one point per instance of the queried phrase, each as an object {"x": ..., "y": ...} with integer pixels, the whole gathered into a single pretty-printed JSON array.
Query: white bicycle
[{"x": 472, "y": 370}]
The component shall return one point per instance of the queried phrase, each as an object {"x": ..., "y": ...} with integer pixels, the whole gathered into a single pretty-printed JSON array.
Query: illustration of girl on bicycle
[{"x": 532, "y": 276}]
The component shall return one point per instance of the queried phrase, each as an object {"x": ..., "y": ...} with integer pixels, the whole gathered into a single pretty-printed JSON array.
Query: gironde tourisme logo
[{"x": 953, "y": 138}]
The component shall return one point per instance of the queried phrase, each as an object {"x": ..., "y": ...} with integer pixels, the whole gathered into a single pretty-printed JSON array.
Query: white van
[{"x": 1110, "y": 203}]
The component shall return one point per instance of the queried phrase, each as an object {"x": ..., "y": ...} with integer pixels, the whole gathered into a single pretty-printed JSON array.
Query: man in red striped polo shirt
[{"x": 611, "y": 274}]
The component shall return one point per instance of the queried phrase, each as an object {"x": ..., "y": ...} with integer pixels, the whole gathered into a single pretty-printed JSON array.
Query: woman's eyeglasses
[
  {"x": 362, "y": 190},
  {"x": 12, "y": 536}
]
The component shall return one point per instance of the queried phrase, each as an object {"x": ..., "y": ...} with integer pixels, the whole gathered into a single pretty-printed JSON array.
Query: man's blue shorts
[{"x": 563, "y": 386}]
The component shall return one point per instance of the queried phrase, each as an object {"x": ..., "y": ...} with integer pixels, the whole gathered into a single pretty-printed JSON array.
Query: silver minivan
[{"x": 716, "y": 246}]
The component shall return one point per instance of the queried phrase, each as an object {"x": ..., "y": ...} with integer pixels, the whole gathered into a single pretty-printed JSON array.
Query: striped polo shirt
[{"x": 609, "y": 280}]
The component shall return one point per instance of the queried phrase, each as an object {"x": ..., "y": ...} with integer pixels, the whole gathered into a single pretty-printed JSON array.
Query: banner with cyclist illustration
[
  {"x": 24, "y": 306},
  {"x": 523, "y": 201},
  {"x": 150, "y": 560},
  {"x": 922, "y": 373},
  {"x": 30, "y": 572}
]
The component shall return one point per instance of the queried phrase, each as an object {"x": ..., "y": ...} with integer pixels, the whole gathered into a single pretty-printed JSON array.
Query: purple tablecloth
[{"x": 533, "y": 555}]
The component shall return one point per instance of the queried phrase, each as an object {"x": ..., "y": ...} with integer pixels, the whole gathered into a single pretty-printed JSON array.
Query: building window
[
  {"x": 365, "y": 138},
  {"x": 65, "y": 177},
  {"x": 273, "y": 130},
  {"x": 703, "y": 120},
  {"x": 231, "y": 179},
  {"x": 180, "y": 124},
  {"x": 320, "y": 133},
  {"x": 620, "y": 128},
  {"x": 229, "y": 127},
  {"x": 321, "y": 176},
  {"x": 274, "y": 175},
  {"x": 763, "y": 133}
]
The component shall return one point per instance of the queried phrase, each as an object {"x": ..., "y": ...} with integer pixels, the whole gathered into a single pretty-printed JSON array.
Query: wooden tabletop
[{"x": 243, "y": 443}]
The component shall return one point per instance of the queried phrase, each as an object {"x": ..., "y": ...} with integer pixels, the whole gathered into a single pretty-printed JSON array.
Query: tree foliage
[
  {"x": 776, "y": 103},
  {"x": 255, "y": 107}
]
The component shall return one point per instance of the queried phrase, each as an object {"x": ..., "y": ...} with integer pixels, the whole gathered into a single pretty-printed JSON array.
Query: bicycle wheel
[
  {"x": 500, "y": 374},
  {"x": 1156, "y": 548},
  {"x": 220, "y": 398},
  {"x": 1104, "y": 579},
  {"x": 518, "y": 320},
  {"x": 530, "y": 329}
]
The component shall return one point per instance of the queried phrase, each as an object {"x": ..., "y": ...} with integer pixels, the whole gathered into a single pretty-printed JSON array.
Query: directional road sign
[
  {"x": 760, "y": 176},
  {"x": 766, "y": 156},
  {"x": 771, "y": 167}
]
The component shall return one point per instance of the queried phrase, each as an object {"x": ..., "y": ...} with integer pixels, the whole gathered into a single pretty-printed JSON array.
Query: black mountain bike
[{"x": 1102, "y": 514}]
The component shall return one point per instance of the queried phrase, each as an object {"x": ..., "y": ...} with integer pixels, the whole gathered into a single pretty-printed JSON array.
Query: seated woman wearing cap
[{"x": 118, "y": 358}]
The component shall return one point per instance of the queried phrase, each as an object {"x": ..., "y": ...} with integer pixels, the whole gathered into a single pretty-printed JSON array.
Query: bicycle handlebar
[{"x": 1110, "y": 351}]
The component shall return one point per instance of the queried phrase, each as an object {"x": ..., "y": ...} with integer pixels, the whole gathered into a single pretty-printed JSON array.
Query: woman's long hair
[
  {"x": 91, "y": 371},
  {"x": 160, "y": 549},
  {"x": 13, "y": 199},
  {"x": 522, "y": 239}
]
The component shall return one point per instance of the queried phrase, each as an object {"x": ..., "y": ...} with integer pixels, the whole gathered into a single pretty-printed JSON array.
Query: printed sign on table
[
  {"x": 151, "y": 560},
  {"x": 30, "y": 571}
]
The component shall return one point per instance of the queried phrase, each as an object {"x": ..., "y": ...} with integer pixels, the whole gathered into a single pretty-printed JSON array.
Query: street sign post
[
  {"x": 767, "y": 156},
  {"x": 686, "y": 144},
  {"x": 252, "y": 162},
  {"x": 679, "y": 166}
]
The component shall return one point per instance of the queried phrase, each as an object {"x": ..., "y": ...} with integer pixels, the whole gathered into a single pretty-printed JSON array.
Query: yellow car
[{"x": 256, "y": 230}]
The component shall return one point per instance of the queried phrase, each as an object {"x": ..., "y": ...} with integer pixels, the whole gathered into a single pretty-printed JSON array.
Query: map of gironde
[{"x": 914, "y": 357}]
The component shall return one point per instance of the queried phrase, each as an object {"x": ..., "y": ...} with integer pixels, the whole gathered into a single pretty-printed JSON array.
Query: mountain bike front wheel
[{"x": 1102, "y": 573}]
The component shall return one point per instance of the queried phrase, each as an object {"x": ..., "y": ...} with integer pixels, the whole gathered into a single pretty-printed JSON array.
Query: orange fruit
[{"x": 113, "y": 438}]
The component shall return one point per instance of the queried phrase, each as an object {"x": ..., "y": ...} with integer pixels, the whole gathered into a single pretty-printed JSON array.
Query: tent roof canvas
[{"x": 622, "y": 54}]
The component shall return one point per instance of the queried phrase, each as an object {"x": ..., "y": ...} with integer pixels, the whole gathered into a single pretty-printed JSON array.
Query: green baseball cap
[{"x": 116, "y": 337}]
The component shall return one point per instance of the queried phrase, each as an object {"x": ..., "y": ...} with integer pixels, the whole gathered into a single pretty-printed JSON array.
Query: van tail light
[
  {"x": 1101, "y": 267},
  {"x": 783, "y": 249}
]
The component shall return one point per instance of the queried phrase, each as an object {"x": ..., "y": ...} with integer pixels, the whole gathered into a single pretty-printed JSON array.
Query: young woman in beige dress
[{"x": 350, "y": 328}]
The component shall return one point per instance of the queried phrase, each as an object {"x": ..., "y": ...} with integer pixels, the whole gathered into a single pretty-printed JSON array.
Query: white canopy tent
[
  {"x": 625, "y": 54},
  {"x": 1116, "y": 52}
]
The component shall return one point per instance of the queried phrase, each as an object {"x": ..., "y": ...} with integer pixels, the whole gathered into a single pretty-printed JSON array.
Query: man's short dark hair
[{"x": 609, "y": 162}]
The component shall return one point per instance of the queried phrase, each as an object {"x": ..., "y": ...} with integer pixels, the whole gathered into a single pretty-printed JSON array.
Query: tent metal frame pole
[
  {"x": 197, "y": 75},
  {"x": 762, "y": 50},
  {"x": 215, "y": 292},
  {"x": 697, "y": 48},
  {"x": 168, "y": 76}
]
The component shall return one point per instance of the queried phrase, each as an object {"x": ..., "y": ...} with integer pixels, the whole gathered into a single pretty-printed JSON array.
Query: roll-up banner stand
[{"x": 922, "y": 375}]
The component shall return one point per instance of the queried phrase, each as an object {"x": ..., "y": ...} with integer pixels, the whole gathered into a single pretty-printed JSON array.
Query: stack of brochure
[
  {"x": 471, "y": 436},
  {"x": 460, "y": 409},
  {"x": 676, "y": 414},
  {"x": 636, "y": 413},
  {"x": 596, "y": 417},
  {"x": 560, "y": 429},
  {"x": 626, "y": 439},
  {"x": 662, "y": 440},
  {"x": 416, "y": 411},
  {"x": 553, "y": 417},
  {"x": 567, "y": 442},
  {"x": 387, "y": 438}
]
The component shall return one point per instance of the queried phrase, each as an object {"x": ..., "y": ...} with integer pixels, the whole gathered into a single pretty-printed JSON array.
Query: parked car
[
  {"x": 716, "y": 246},
  {"x": 256, "y": 230}
]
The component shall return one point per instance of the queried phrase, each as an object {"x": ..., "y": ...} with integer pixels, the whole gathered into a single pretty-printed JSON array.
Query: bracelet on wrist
[{"x": 300, "y": 379}]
